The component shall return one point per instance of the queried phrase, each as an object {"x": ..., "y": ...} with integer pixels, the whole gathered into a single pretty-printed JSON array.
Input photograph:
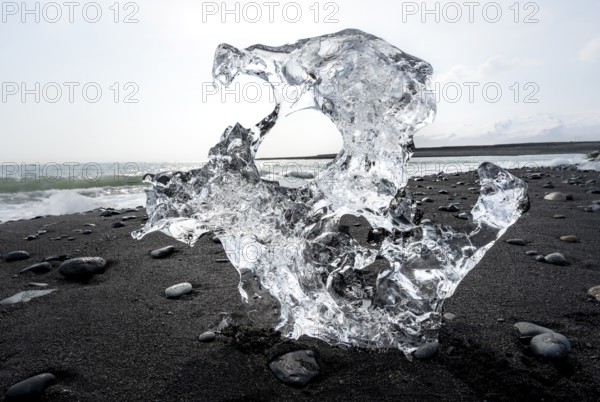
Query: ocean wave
[{"x": 12, "y": 185}]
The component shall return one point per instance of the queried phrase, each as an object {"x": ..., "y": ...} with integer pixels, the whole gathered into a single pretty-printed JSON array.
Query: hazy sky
[{"x": 155, "y": 103}]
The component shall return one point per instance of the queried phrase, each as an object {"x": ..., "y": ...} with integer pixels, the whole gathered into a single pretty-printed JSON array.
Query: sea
[{"x": 36, "y": 189}]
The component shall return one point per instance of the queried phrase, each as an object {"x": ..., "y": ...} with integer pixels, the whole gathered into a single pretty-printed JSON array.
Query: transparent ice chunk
[{"x": 299, "y": 269}]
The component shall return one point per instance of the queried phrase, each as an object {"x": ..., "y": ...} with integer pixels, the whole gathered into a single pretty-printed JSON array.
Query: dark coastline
[
  {"x": 117, "y": 338},
  {"x": 487, "y": 150}
]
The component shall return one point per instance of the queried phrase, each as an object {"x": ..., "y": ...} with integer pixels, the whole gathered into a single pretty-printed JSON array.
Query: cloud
[
  {"x": 590, "y": 52},
  {"x": 489, "y": 68},
  {"x": 532, "y": 128}
]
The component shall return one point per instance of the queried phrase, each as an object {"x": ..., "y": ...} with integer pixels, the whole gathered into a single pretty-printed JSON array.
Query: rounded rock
[
  {"x": 569, "y": 239},
  {"x": 16, "y": 256},
  {"x": 178, "y": 290},
  {"x": 41, "y": 268},
  {"x": 555, "y": 259},
  {"x": 550, "y": 345},
  {"x": 162, "y": 252},
  {"x": 595, "y": 292},
  {"x": 529, "y": 330},
  {"x": 82, "y": 267},
  {"x": 556, "y": 196},
  {"x": 208, "y": 336},
  {"x": 30, "y": 389},
  {"x": 517, "y": 242},
  {"x": 427, "y": 351},
  {"x": 117, "y": 225}
]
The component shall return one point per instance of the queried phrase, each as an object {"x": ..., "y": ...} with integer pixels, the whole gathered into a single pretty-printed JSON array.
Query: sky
[{"x": 131, "y": 81}]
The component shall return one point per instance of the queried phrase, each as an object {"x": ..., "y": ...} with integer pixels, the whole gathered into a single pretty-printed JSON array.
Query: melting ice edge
[{"x": 299, "y": 270}]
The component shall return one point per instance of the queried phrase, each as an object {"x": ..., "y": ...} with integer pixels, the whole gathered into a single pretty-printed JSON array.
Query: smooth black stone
[
  {"x": 41, "y": 268},
  {"x": 16, "y": 256},
  {"x": 427, "y": 351},
  {"x": 117, "y": 225},
  {"x": 517, "y": 242},
  {"x": 222, "y": 260},
  {"x": 295, "y": 368},
  {"x": 62, "y": 257},
  {"x": 31, "y": 389},
  {"x": 207, "y": 337},
  {"x": 162, "y": 252},
  {"x": 128, "y": 218},
  {"x": 109, "y": 213},
  {"x": 31, "y": 237},
  {"x": 449, "y": 208},
  {"x": 86, "y": 232},
  {"x": 83, "y": 267}
]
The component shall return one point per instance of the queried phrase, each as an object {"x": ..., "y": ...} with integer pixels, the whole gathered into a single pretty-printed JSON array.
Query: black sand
[
  {"x": 117, "y": 338},
  {"x": 532, "y": 148}
]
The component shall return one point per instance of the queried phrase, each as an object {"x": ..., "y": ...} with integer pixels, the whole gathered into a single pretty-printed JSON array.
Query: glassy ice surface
[{"x": 299, "y": 269}]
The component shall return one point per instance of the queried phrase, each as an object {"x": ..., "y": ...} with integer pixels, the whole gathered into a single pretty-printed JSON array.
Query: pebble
[
  {"x": 517, "y": 242},
  {"x": 425, "y": 221},
  {"x": 529, "y": 330},
  {"x": 178, "y": 290},
  {"x": 556, "y": 259},
  {"x": 548, "y": 185},
  {"x": 595, "y": 292},
  {"x": 86, "y": 232},
  {"x": 427, "y": 351},
  {"x": 16, "y": 256},
  {"x": 558, "y": 216},
  {"x": 37, "y": 284},
  {"x": 109, "y": 213},
  {"x": 215, "y": 239},
  {"x": 531, "y": 252},
  {"x": 222, "y": 260},
  {"x": 55, "y": 258},
  {"x": 24, "y": 297},
  {"x": 82, "y": 267},
  {"x": 208, "y": 336},
  {"x": 464, "y": 216},
  {"x": 449, "y": 208},
  {"x": 569, "y": 239},
  {"x": 31, "y": 237},
  {"x": 555, "y": 197},
  {"x": 295, "y": 368},
  {"x": 41, "y": 268},
  {"x": 449, "y": 316},
  {"x": 539, "y": 258},
  {"x": 426, "y": 199},
  {"x": 162, "y": 252},
  {"x": 550, "y": 345},
  {"x": 31, "y": 389},
  {"x": 128, "y": 218},
  {"x": 117, "y": 225},
  {"x": 443, "y": 192}
]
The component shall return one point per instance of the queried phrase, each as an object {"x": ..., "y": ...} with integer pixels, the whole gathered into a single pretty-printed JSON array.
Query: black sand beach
[
  {"x": 118, "y": 338},
  {"x": 531, "y": 148}
]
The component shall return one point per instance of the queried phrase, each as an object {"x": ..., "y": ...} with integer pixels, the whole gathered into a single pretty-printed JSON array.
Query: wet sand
[{"x": 117, "y": 338}]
